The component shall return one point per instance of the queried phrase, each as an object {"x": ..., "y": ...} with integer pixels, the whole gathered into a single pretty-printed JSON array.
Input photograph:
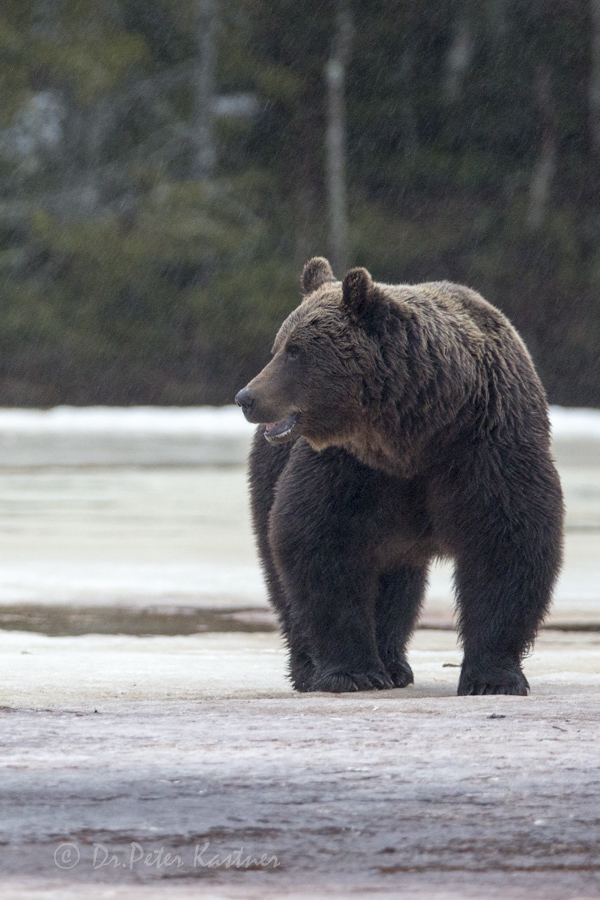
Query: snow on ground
[
  {"x": 204, "y": 420},
  {"x": 575, "y": 423},
  {"x": 72, "y": 672},
  {"x": 198, "y": 421},
  {"x": 176, "y": 436},
  {"x": 143, "y": 506},
  {"x": 70, "y": 436}
]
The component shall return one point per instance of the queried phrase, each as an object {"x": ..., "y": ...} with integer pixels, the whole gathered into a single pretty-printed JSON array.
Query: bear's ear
[
  {"x": 359, "y": 294},
  {"x": 316, "y": 273}
]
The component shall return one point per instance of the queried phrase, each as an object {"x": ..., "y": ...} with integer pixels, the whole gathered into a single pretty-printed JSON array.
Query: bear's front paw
[
  {"x": 343, "y": 682},
  {"x": 302, "y": 673},
  {"x": 495, "y": 681},
  {"x": 400, "y": 672}
]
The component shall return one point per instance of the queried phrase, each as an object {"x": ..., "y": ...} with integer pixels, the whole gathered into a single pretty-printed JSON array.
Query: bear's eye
[{"x": 292, "y": 353}]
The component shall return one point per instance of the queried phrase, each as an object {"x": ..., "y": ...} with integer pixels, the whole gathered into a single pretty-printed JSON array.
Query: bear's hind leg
[
  {"x": 399, "y": 602},
  {"x": 502, "y": 598},
  {"x": 504, "y": 521}
]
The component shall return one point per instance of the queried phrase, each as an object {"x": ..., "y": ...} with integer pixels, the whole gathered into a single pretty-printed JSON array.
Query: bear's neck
[
  {"x": 406, "y": 451},
  {"x": 403, "y": 437},
  {"x": 373, "y": 450}
]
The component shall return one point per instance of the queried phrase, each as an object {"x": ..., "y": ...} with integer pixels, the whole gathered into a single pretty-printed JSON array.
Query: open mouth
[{"x": 276, "y": 432}]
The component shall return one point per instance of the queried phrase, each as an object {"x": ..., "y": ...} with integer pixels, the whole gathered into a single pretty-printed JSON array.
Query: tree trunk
[
  {"x": 458, "y": 59},
  {"x": 408, "y": 117},
  {"x": 204, "y": 154},
  {"x": 46, "y": 19},
  {"x": 498, "y": 15},
  {"x": 594, "y": 86},
  {"x": 335, "y": 74},
  {"x": 543, "y": 172}
]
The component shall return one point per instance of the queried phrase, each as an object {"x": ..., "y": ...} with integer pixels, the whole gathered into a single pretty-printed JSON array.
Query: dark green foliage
[{"x": 125, "y": 281}]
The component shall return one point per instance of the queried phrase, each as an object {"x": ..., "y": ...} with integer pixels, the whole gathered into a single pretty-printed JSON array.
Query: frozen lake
[
  {"x": 181, "y": 537},
  {"x": 148, "y": 509}
]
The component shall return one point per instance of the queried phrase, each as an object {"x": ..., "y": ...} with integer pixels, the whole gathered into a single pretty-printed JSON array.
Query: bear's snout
[{"x": 245, "y": 400}]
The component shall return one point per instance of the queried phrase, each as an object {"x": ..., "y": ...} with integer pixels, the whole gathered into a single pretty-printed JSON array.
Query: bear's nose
[{"x": 245, "y": 399}]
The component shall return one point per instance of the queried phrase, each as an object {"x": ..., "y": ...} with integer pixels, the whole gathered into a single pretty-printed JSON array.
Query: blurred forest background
[{"x": 167, "y": 166}]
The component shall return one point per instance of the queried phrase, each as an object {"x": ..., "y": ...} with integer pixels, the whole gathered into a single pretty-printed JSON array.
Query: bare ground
[{"x": 414, "y": 793}]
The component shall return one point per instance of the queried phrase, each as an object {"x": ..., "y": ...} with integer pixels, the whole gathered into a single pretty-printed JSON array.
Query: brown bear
[{"x": 399, "y": 424}]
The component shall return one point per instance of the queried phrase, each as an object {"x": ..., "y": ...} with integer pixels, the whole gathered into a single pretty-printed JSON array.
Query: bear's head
[{"x": 326, "y": 361}]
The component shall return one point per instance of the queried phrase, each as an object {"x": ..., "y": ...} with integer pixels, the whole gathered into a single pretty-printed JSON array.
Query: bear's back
[
  {"x": 461, "y": 333},
  {"x": 465, "y": 317},
  {"x": 453, "y": 302}
]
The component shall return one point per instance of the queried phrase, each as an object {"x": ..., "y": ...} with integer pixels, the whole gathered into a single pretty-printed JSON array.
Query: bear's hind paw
[
  {"x": 510, "y": 681},
  {"x": 516, "y": 690}
]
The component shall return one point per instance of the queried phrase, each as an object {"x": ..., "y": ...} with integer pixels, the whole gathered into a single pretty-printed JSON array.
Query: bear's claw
[
  {"x": 518, "y": 690},
  {"x": 345, "y": 682},
  {"x": 401, "y": 674},
  {"x": 509, "y": 680}
]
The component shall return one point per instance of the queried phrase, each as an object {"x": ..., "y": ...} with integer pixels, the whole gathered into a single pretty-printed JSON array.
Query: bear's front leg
[
  {"x": 317, "y": 536},
  {"x": 301, "y": 666},
  {"x": 332, "y": 608},
  {"x": 344, "y": 637}
]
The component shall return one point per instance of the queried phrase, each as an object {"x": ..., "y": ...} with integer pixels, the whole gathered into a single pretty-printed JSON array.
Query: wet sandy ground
[
  {"x": 184, "y": 767},
  {"x": 174, "y": 729}
]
